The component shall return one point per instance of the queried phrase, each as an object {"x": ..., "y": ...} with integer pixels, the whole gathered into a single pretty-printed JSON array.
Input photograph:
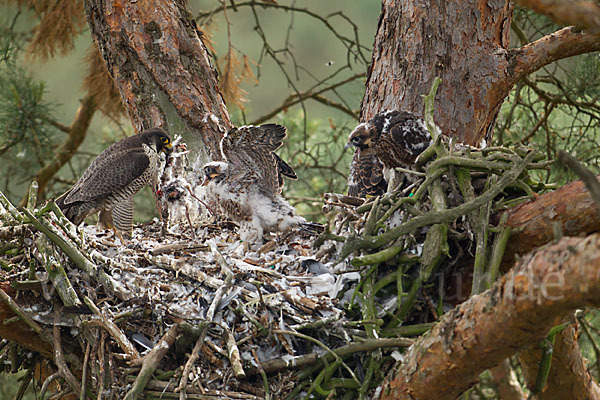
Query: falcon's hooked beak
[
  {"x": 209, "y": 177},
  {"x": 357, "y": 141}
]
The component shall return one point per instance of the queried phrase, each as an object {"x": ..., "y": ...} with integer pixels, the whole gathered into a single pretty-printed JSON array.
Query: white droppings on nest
[
  {"x": 320, "y": 284},
  {"x": 397, "y": 219},
  {"x": 179, "y": 277}
]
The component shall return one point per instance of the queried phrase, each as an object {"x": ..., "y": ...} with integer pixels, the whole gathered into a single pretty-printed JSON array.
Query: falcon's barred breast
[
  {"x": 393, "y": 138},
  {"x": 366, "y": 174},
  {"x": 114, "y": 177},
  {"x": 246, "y": 186}
]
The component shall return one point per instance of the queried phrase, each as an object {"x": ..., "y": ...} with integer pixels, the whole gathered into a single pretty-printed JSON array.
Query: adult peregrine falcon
[
  {"x": 394, "y": 138},
  {"x": 114, "y": 177},
  {"x": 246, "y": 186}
]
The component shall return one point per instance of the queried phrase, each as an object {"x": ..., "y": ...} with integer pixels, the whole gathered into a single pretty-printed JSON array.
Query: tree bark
[
  {"x": 571, "y": 207},
  {"x": 465, "y": 44},
  {"x": 17, "y": 330},
  {"x": 537, "y": 294},
  {"x": 155, "y": 54},
  {"x": 580, "y": 13}
]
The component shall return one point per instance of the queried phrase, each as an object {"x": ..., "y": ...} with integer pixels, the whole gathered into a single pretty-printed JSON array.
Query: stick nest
[{"x": 304, "y": 316}]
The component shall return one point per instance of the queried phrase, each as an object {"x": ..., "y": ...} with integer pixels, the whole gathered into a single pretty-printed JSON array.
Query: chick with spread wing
[{"x": 246, "y": 186}]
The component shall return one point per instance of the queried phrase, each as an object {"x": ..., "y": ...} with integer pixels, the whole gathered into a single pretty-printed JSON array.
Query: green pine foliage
[
  {"x": 550, "y": 115},
  {"x": 27, "y": 139},
  {"x": 555, "y": 108},
  {"x": 586, "y": 78}
]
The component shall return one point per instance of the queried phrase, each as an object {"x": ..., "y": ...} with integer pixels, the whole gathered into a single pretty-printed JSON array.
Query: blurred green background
[
  {"x": 309, "y": 54},
  {"x": 317, "y": 133},
  {"x": 553, "y": 109}
]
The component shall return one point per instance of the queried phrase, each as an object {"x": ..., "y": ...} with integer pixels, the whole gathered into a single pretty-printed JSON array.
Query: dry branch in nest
[{"x": 303, "y": 316}]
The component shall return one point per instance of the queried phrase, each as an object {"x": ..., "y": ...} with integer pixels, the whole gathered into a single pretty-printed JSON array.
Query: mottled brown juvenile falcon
[
  {"x": 366, "y": 174},
  {"x": 394, "y": 138},
  {"x": 114, "y": 177},
  {"x": 246, "y": 187}
]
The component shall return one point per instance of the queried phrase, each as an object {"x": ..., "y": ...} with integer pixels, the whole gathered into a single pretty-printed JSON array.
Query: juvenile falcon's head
[
  {"x": 214, "y": 171},
  {"x": 362, "y": 137},
  {"x": 157, "y": 139}
]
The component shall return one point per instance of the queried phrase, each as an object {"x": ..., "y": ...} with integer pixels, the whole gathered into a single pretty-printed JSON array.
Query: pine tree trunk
[
  {"x": 464, "y": 43},
  {"x": 155, "y": 54}
]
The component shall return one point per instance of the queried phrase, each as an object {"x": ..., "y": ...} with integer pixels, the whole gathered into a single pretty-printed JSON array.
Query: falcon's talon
[{"x": 120, "y": 236}]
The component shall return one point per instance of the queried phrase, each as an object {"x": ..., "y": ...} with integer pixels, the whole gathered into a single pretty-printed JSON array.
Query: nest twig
[{"x": 183, "y": 317}]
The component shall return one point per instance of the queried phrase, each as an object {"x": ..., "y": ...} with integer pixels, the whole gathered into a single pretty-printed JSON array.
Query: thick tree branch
[
  {"x": 564, "y": 43},
  {"x": 13, "y": 328},
  {"x": 516, "y": 64},
  {"x": 569, "y": 377},
  {"x": 571, "y": 207},
  {"x": 582, "y": 14},
  {"x": 534, "y": 296}
]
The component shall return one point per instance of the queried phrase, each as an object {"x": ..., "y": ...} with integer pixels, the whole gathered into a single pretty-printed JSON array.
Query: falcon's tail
[
  {"x": 75, "y": 212},
  {"x": 283, "y": 169},
  {"x": 60, "y": 202}
]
